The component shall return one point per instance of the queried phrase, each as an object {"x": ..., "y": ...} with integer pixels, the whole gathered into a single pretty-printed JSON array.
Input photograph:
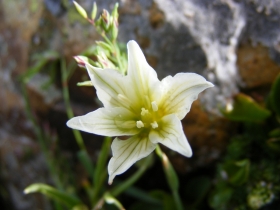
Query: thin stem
[
  {"x": 116, "y": 50},
  {"x": 99, "y": 175},
  {"x": 126, "y": 184},
  {"x": 171, "y": 177},
  {"x": 69, "y": 111},
  {"x": 177, "y": 200},
  {"x": 40, "y": 137},
  {"x": 118, "y": 56}
]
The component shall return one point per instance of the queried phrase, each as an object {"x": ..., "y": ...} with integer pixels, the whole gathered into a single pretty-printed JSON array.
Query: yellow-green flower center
[{"x": 148, "y": 116}]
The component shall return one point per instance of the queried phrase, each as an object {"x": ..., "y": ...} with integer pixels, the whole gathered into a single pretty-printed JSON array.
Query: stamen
[
  {"x": 154, "y": 125},
  {"x": 139, "y": 124},
  {"x": 154, "y": 106},
  {"x": 144, "y": 111}
]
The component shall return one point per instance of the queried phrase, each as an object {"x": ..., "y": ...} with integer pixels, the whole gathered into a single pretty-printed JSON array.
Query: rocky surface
[{"x": 234, "y": 44}]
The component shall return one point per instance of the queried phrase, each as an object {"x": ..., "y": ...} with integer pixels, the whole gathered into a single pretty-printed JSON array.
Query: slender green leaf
[
  {"x": 141, "y": 195},
  {"x": 169, "y": 171},
  {"x": 112, "y": 200},
  {"x": 238, "y": 171},
  {"x": 59, "y": 196},
  {"x": 85, "y": 160},
  {"x": 104, "y": 45},
  {"x": 33, "y": 70},
  {"x": 166, "y": 199}
]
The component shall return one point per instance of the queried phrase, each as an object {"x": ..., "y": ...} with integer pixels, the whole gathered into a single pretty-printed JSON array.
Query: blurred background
[{"x": 232, "y": 128}]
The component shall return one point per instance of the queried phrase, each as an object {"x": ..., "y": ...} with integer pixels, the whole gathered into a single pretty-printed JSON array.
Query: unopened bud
[
  {"x": 115, "y": 13},
  {"x": 81, "y": 60},
  {"x": 80, "y": 10},
  {"x": 94, "y": 11},
  {"x": 106, "y": 19}
]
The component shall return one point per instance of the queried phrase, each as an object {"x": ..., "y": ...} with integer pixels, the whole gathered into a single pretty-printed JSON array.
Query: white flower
[{"x": 140, "y": 106}]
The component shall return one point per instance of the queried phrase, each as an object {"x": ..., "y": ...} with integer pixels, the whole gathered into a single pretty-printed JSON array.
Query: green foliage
[
  {"x": 274, "y": 97},
  {"x": 62, "y": 197},
  {"x": 107, "y": 53},
  {"x": 196, "y": 190},
  {"x": 245, "y": 109},
  {"x": 164, "y": 202},
  {"x": 237, "y": 171},
  {"x": 248, "y": 177},
  {"x": 40, "y": 61},
  {"x": 112, "y": 200}
]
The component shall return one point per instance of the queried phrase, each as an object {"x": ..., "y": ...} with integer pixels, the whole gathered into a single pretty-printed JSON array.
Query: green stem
[
  {"x": 70, "y": 114},
  {"x": 126, "y": 184},
  {"x": 177, "y": 200},
  {"x": 65, "y": 91},
  {"x": 118, "y": 56},
  {"x": 99, "y": 175},
  {"x": 171, "y": 177},
  {"x": 115, "y": 51},
  {"x": 40, "y": 137}
]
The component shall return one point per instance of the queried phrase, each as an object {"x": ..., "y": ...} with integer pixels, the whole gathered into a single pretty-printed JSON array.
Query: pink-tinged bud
[
  {"x": 106, "y": 19},
  {"x": 81, "y": 62},
  {"x": 105, "y": 16}
]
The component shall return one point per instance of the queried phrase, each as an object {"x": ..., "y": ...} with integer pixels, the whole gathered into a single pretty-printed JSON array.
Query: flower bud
[
  {"x": 94, "y": 11},
  {"x": 106, "y": 19},
  {"x": 80, "y": 10}
]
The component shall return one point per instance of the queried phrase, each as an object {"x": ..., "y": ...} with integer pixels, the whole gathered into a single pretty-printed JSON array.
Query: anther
[
  {"x": 144, "y": 111},
  {"x": 154, "y": 125},
  {"x": 154, "y": 106},
  {"x": 139, "y": 124}
]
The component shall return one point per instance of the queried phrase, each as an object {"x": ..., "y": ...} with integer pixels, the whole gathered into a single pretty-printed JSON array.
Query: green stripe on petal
[
  {"x": 180, "y": 91},
  {"x": 109, "y": 84},
  {"x": 126, "y": 153},
  {"x": 107, "y": 122},
  {"x": 141, "y": 74},
  {"x": 171, "y": 135}
]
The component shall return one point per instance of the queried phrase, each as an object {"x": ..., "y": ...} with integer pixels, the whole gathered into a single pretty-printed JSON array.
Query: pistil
[{"x": 154, "y": 125}]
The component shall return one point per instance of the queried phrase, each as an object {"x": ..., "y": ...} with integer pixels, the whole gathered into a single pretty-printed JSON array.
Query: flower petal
[
  {"x": 141, "y": 74},
  {"x": 107, "y": 122},
  {"x": 126, "y": 153},
  {"x": 170, "y": 133},
  {"x": 180, "y": 91},
  {"x": 109, "y": 85}
]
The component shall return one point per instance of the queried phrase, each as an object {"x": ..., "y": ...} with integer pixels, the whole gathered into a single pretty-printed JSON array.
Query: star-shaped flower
[{"x": 141, "y": 107}]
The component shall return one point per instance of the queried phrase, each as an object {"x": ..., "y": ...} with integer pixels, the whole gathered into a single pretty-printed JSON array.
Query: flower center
[{"x": 148, "y": 117}]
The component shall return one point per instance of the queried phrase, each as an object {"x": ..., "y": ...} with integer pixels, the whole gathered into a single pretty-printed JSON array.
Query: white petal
[
  {"x": 126, "y": 153},
  {"x": 109, "y": 84},
  {"x": 141, "y": 74},
  {"x": 180, "y": 91},
  {"x": 106, "y": 122},
  {"x": 170, "y": 133}
]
